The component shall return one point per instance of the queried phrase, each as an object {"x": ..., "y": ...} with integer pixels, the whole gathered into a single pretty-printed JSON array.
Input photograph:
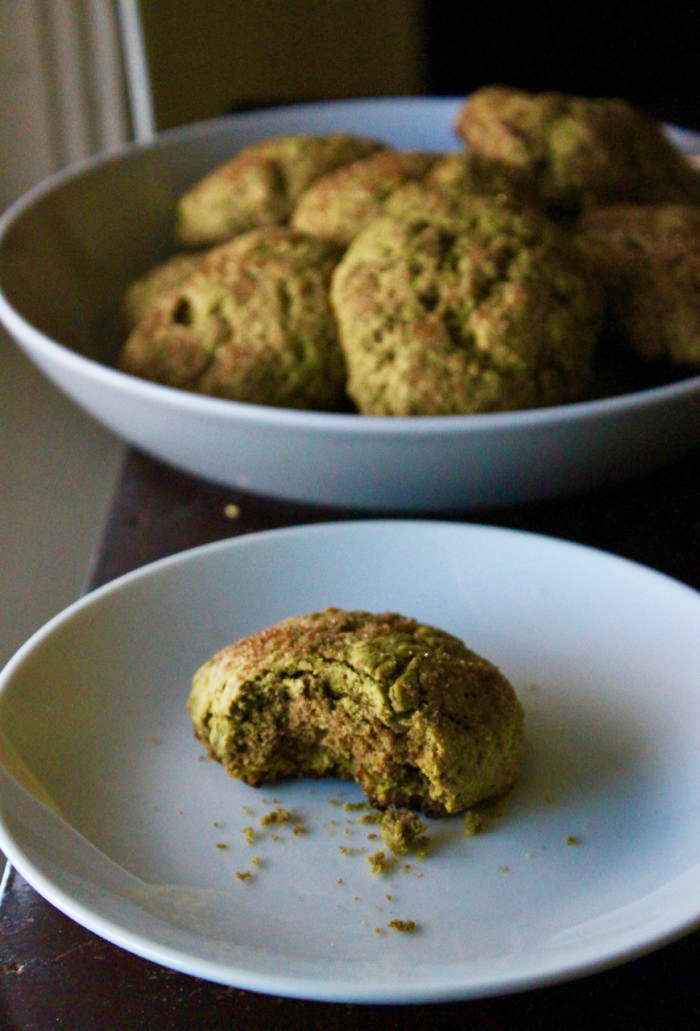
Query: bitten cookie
[{"x": 404, "y": 709}]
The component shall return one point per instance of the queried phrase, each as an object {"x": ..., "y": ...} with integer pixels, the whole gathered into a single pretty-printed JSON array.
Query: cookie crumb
[
  {"x": 379, "y": 862},
  {"x": 372, "y": 817},
  {"x": 403, "y": 925},
  {"x": 232, "y": 511},
  {"x": 278, "y": 815},
  {"x": 404, "y": 831},
  {"x": 473, "y": 823},
  {"x": 243, "y": 875},
  {"x": 249, "y": 834}
]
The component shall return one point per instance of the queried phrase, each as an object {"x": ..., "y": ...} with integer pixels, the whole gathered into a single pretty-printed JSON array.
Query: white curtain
[
  {"x": 63, "y": 86},
  {"x": 63, "y": 96}
]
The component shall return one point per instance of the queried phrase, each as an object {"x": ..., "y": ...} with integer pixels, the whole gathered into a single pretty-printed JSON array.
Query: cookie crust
[
  {"x": 339, "y": 204},
  {"x": 158, "y": 280},
  {"x": 457, "y": 305},
  {"x": 577, "y": 152},
  {"x": 260, "y": 185},
  {"x": 253, "y": 323}
]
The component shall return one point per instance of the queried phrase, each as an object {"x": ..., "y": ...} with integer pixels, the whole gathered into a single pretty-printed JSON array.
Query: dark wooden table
[{"x": 55, "y": 974}]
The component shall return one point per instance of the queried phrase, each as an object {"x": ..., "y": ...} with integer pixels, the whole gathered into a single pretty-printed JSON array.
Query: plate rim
[{"x": 331, "y": 525}]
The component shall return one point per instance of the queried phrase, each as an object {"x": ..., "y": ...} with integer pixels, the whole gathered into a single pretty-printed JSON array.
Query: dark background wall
[
  {"x": 645, "y": 53},
  {"x": 213, "y": 57},
  {"x": 210, "y": 58}
]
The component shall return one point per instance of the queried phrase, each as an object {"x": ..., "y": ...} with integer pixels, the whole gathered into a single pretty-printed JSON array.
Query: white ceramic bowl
[{"x": 69, "y": 247}]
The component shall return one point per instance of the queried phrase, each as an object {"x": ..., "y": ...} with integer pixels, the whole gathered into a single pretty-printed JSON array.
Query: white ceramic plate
[
  {"x": 68, "y": 249},
  {"x": 120, "y": 822}
]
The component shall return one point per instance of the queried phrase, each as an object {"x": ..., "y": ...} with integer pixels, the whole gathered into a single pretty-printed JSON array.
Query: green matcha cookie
[
  {"x": 648, "y": 258},
  {"x": 253, "y": 323},
  {"x": 155, "y": 282},
  {"x": 337, "y": 205},
  {"x": 576, "y": 151},
  {"x": 466, "y": 172},
  {"x": 261, "y": 185},
  {"x": 451, "y": 304},
  {"x": 404, "y": 709}
]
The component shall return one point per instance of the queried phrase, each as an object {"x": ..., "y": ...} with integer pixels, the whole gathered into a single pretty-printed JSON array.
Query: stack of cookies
[{"x": 337, "y": 273}]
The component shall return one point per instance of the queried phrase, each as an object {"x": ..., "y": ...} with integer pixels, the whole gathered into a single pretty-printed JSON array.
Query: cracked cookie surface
[
  {"x": 252, "y": 323},
  {"x": 337, "y": 205},
  {"x": 576, "y": 151},
  {"x": 403, "y": 708},
  {"x": 451, "y": 304},
  {"x": 158, "y": 280},
  {"x": 260, "y": 185}
]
